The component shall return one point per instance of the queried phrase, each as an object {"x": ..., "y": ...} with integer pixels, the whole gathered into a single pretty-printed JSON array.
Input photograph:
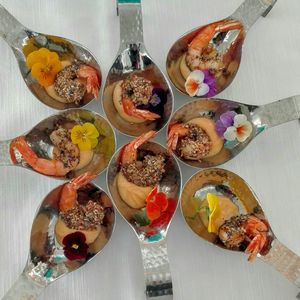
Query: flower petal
[
  {"x": 193, "y": 82},
  {"x": 76, "y": 134},
  {"x": 214, "y": 208},
  {"x": 230, "y": 134},
  {"x": 203, "y": 89},
  {"x": 227, "y": 118},
  {"x": 153, "y": 211},
  {"x": 161, "y": 201},
  {"x": 244, "y": 131},
  {"x": 220, "y": 128},
  {"x": 85, "y": 144},
  {"x": 239, "y": 120},
  {"x": 91, "y": 130},
  {"x": 94, "y": 142}
]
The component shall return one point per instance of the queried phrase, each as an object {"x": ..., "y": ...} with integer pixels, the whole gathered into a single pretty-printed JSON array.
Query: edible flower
[
  {"x": 44, "y": 66},
  {"x": 75, "y": 246},
  {"x": 85, "y": 136},
  {"x": 233, "y": 126},
  {"x": 201, "y": 83},
  {"x": 214, "y": 211},
  {"x": 159, "y": 208}
]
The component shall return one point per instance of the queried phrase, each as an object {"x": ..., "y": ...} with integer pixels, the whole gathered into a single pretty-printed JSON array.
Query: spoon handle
[
  {"x": 278, "y": 112},
  {"x": 284, "y": 261},
  {"x": 5, "y": 158},
  {"x": 131, "y": 22},
  {"x": 10, "y": 27},
  {"x": 251, "y": 10},
  {"x": 24, "y": 289},
  {"x": 157, "y": 270}
]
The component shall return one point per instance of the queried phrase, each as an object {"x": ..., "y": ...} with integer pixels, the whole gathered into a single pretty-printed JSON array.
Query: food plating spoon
[
  {"x": 133, "y": 60},
  {"x": 57, "y": 155},
  {"x": 229, "y": 125},
  {"x": 227, "y": 184},
  {"x": 204, "y": 61},
  {"x": 24, "y": 41},
  {"x": 55, "y": 249}
]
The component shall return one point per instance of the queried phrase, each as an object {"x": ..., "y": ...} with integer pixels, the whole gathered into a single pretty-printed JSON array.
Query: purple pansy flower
[
  {"x": 226, "y": 120},
  {"x": 210, "y": 80}
]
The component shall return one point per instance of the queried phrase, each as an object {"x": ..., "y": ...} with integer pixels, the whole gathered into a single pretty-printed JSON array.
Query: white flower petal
[
  {"x": 244, "y": 132},
  {"x": 194, "y": 83},
  {"x": 239, "y": 120},
  {"x": 203, "y": 89},
  {"x": 197, "y": 75},
  {"x": 230, "y": 134}
]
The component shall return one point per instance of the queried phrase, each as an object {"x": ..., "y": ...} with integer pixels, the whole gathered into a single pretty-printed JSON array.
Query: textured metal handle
[
  {"x": 24, "y": 289},
  {"x": 10, "y": 27},
  {"x": 157, "y": 270},
  {"x": 251, "y": 10},
  {"x": 131, "y": 22},
  {"x": 278, "y": 112},
  {"x": 5, "y": 159},
  {"x": 284, "y": 261}
]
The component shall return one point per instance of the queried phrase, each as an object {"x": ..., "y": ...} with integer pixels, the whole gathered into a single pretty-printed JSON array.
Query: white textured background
[{"x": 270, "y": 70}]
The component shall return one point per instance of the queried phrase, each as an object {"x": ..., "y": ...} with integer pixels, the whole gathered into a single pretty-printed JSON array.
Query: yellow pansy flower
[
  {"x": 44, "y": 66},
  {"x": 214, "y": 208},
  {"x": 85, "y": 136}
]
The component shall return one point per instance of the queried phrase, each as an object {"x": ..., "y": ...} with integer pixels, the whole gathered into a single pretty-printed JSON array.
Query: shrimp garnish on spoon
[
  {"x": 129, "y": 152},
  {"x": 176, "y": 131},
  {"x": 68, "y": 196},
  {"x": 92, "y": 79}
]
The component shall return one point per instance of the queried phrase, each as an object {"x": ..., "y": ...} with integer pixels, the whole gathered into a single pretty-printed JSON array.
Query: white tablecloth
[{"x": 270, "y": 70}]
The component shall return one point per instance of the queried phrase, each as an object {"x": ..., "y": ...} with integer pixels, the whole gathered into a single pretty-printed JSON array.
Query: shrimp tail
[
  {"x": 131, "y": 110},
  {"x": 129, "y": 154},
  {"x": 68, "y": 196},
  {"x": 92, "y": 79}
]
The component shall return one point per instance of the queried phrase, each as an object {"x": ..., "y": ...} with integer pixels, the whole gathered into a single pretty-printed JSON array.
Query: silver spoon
[
  {"x": 260, "y": 117},
  {"x": 23, "y": 41},
  {"x": 48, "y": 259},
  {"x": 133, "y": 59},
  {"x": 151, "y": 235},
  {"x": 225, "y": 183},
  {"x": 38, "y": 140},
  {"x": 216, "y": 51}
]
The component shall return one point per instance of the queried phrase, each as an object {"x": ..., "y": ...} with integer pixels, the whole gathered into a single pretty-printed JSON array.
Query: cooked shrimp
[
  {"x": 129, "y": 152},
  {"x": 245, "y": 228},
  {"x": 190, "y": 141},
  {"x": 131, "y": 110},
  {"x": 201, "y": 55},
  {"x": 92, "y": 79},
  {"x": 50, "y": 167},
  {"x": 68, "y": 196},
  {"x": 64, "y": 150}
]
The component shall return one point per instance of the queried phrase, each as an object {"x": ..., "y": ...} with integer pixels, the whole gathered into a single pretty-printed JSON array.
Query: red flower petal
[
  {"x": 152, "y": 194},
  {"x": 161, "y": 201},
  {"x": 153, "y": 211},
  {"x": 172, "y": 203}
]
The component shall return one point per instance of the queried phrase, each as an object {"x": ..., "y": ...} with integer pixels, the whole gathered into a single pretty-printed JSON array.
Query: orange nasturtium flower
[
  {"x": 44, "y": 66},
  {"x": 85, "y": 136}
]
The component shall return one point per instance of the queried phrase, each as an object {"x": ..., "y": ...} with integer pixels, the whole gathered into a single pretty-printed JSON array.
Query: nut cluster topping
[
  {"x": 147, "y": 172},
  {"x": 138, "y": 89}
]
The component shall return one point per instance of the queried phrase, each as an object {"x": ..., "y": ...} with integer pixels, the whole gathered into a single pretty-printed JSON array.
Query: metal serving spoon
[
  {"x": 220, "y": 43},
  {"x": 47, "y": 261},
  {"x": 230, "y": 185},
  {"x": 22, "y": 41},
  {"x": 133, "y": 59},
  {"x": 261, "y": 118},
  {"x": 152, "y": 237},
  {"x": 39, "y": 141}
]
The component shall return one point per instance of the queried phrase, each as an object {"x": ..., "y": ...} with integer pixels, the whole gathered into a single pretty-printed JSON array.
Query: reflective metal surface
[
  {"x": 133, "y": 59},
  {"x": 152, "y": 239},
  {"x": 47, "y": 262},
  {"x": 261, "y": 117},
  {"x": 23, "y": 40},
  {"x": 227, "y": 42},
  {"x": 228, "y": 184},
  {"x": 39, "y": 141}
]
